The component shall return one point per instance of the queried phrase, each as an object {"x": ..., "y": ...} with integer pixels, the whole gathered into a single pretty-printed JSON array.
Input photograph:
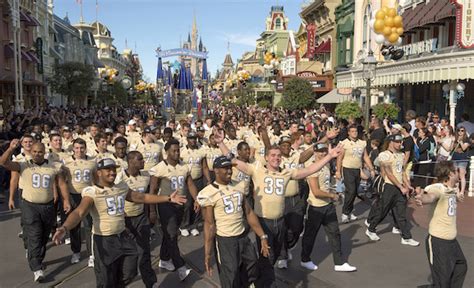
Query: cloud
[{"x": 240, "y": 38}]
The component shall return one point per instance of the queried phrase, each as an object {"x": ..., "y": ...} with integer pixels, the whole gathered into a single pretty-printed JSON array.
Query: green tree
[
  {"x": 348, "y": 109},
  {"x": 382, "y": 110},
  {"x": 73, "y": 80},
  {"x": 298, "y": 94}
]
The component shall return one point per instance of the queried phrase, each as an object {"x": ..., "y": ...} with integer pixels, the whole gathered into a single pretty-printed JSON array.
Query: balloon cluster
[
  {"x": 271, "y": 62},
  {"x": 243, "y": 75},
  {"x": 388, "y": 25},
  {"x": 142, "y": 86},
  {"x": 110, "y": 74}
]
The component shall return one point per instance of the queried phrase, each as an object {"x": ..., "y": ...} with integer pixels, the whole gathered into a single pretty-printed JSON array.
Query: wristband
[{"x": 264, "y": 236}]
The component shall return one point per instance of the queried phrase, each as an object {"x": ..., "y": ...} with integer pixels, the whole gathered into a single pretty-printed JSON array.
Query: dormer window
[{"x": 278, "y": 24}]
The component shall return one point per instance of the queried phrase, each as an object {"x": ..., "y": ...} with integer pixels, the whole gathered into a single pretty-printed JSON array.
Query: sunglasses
[{"x": 462, "y": 130}]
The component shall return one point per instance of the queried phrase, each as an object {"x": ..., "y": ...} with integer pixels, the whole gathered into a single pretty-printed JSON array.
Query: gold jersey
[
  {"x": 133, "y": 138},
  {"x": 122, "y": 162},
  {"x": 257, "y": 144},
  {"x": 22, "y": 157},
  {"x": 353, "y": 153},
  {"x": 56, "y": 156},
  {"x": 227, "y": 202},
  {"x": 239, "y": 176},
  {"x": 151, "y": 153},
  {"x": 395, "y": 160},
  {"x": 193, "y": 158},
  {"x": 140, "y": 184},
  {"x": 324, "y": 178},
  {"x": 172, "y": 178},
  {"x": 232, "y": 144},
  {"x": 101, "y": 155},
  {"x": 79, "y": 173},
  {"x": 67, "y": 144},
  {"x": 269, "y": 190},
  {"x": 291, "y": 162},
  {"x": 211, "y": 155},
  {"x": 108, "y": 211},
  {"x": 38, "y": 180},
  {"x": 443, "y": 221}
]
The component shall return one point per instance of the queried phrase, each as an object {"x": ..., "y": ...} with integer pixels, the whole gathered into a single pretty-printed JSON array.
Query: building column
[{"x": 452, "y": 104}]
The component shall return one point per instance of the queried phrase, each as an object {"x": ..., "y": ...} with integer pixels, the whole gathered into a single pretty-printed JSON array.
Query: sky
[{"x": 146, "y": 24}]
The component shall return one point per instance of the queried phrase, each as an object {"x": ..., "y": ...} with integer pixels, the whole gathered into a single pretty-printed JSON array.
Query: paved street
[{"x": 382, "y": 264}]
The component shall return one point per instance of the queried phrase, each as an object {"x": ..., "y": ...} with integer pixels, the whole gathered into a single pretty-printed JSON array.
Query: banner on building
[
  {"x": 311, "y": 32},
  {"x": 464, "y": 23}
]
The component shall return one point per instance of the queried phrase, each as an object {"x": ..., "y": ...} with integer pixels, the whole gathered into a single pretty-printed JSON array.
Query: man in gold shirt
[
  {"x": 105, "y": 202},
  {"x": 322, "y": 211},
  {"x": 79, "y": 171},
  {"x": 223, "y": 205},
  {"x": 270, "y": 187},
  {"x": 120, "y": 154},
  {"x": 168, "y": 176},
  {"x": 100, "y": 152},
  {"x": 151, "y": 151},
  {"x": 395, "y": 191},
  {"x": 37, "y": 210},
  {"x": 447, "y": 262},
  {"x": 136, "y": 220},
  {"x": 212, "y": 152},
  {"x": 348, "y": 166}
]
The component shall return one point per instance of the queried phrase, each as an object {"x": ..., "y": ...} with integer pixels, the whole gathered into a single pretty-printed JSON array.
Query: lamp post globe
[{"x": 368, "y": 73}]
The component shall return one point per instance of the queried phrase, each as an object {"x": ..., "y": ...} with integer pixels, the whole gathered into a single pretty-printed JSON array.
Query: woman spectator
[
  {"x": 445, "y": 143},
  {"x": 424, "y": 161},
  {"x": 460, "y": 156}
]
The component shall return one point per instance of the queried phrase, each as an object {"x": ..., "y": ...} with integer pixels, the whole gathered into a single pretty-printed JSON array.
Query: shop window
[
  {"x": 347, "y": 51},
  {"x": 8, "y": 64},
  {"x": 278, "y": 24},
  {"x": 422, "y": 35},
  {"x": 451, "y": 33},
  {"x": 408, "y": 37},
  {"x": 436, "y": 32}
]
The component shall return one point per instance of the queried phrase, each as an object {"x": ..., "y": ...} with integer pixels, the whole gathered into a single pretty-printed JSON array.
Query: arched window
[
  {"x": 366, "y": 35},
  {"x": 278, "y": 24}
]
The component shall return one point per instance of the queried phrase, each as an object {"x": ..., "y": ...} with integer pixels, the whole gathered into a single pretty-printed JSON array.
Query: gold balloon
[
  {"x": 380, "y": 15},
  {"x": 389, "y": 21},
  {"x": 394, "y": 30},
  {"x": 385, "y": 9},
  {"x": 393, "y": 38},
  {"x": 400, "y": 31},
  {"x": 387, "y": 31},
  {"x": 391, "y": 12},
  {"x": 398, "y": 21},
  {"x": 378, "y": 26}
]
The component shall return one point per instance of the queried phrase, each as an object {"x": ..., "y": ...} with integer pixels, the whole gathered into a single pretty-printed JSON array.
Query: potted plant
[
  {"x": 348, "y": 110},
  {"x": 386, "y": 110}
]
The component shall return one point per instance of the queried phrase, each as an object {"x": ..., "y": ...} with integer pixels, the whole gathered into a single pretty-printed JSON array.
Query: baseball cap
[
  {"x": 66, "y": 128},
  {"x": 109, "y": 131},
  {"x": 320, "y": 147},
  {"x": 147, "y": 129},
  {"x": 397, "y": 126},
  {"x": 106, "y": 163},
  {"x": 200, "y": 129},
  {"x": 301, "y": 127},
  {"x": 222, "y": 162},
  {"x": 284, "y": 139},
  {"x": 395, "y": 138},
  {"x": 192, "y": 134},
  {"x": 190, "y": 115},
  {"x": 132, "y": 122}
]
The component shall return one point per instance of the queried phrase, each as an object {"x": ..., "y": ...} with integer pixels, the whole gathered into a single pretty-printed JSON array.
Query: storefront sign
[
  {"x": 311, "y": 31},
  {"x": 306, "y": 74},
  {"x": 429, "y": 45},
  {"x": 465, "y": 23},
  {"x": 318, "y": 83}
]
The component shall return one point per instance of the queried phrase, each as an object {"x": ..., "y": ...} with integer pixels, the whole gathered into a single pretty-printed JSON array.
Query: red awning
[
  {"x": 8, "y": 51},
  {"x": 25, "y": 56},
  {"x": 33, "y": 21},
  {"x": 24, "y": 17},
  {"x": 324, "y": 47},
  {"x": 418, "y": 14},
  {"x": 449, "y": 10},
  {"x": 33, "y": 57},
  {"x": 434, "y": 7}
]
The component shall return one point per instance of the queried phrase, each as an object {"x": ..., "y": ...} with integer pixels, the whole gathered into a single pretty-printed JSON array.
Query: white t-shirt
[{"x": 446, "y": 141}]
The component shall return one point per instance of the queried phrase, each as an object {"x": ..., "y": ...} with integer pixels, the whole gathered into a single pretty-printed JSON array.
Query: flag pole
[{"x": 82, "y": 14}]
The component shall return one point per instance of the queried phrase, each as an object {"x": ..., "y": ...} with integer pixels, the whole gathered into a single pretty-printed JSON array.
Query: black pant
[
  {"x": 109, "y": 255},
  {"x": 447, "y": 262},
  {"x": 275, "y": 229},
  {"x": 75, "y": 233},
  {"x": 421, "y": 170},
  {"x": 236, "y": 261},
  {"x": 294, "y": 217},
  {"x": 191, "y": 219},
  {"x": 351, "y": 182},
  {"x": 171, "y": 216},
  {"x": 139, "y": 228},
  {"x": 375, "y": 208},
  {"x": 37, "y": 220},
  {"x": 326, "y": 216},
  {"x": 391, "y": 199}
]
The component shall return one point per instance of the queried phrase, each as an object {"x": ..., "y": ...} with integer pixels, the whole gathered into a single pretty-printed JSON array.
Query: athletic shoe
[
  {"x": 183, "y": 272},
  {"x": 344, "y": 268},
  {"x": 367, "y": 223},
  {"x": 470, "y": 194},
  {"x": 395, "y": 230},
  {"x": 76, "y": 257},
  {"x": 195, "y": 232},
  {"x": 372, "y": 236},
  {"x": 282, "y": 264},
  {"x": 184, "y": 232},
  {"x": 309, "y": 265},
  {"x": 39, "y": 275},
  {"x": 353, "y": 217},
  {"x": 67, "y": 241},
  {"x": 168, "y": 265},
  {"x": 410, "y": 242},
  {"x": 345, "y": 218},
  {"x": 90, "y": 263}
]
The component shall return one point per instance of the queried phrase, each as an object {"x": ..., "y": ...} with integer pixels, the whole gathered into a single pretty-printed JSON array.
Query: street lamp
[{"x": 368, "y": 73}]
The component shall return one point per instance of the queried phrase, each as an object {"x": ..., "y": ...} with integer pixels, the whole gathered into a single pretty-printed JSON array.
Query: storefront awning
[
  {"x": 418, "y": 13},
  {"x": 449, "y": 10},
  {"x": 333, "y": 97},
  {"x": 324, "y": 47},
  {"x": 8, "y": 51},
  {"x": 33, "y": 57},
  {"x": 25, "y": 56},
  {"x": 434, "y": 7},
  {"x": 33, "y": 21},
  {"x": 55, "y": 53}
]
